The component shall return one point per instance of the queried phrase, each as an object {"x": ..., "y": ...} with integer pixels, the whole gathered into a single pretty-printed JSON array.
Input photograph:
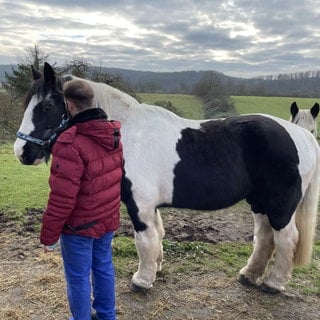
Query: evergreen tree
[{"x": 19, "y": 80}]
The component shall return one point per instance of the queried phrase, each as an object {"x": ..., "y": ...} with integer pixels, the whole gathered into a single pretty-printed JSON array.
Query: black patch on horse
[
  {"x": 132, "y": 208},
  {"x": 244, "y": 157}
]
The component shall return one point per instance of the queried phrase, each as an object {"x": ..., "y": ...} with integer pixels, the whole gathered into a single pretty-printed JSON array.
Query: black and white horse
[
  {"x": 206, "y": 164},
  {"x": 305, "y": 118}
]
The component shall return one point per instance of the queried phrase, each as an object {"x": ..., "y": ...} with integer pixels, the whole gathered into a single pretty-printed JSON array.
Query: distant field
[
  {"x": 277, "y": 106},
  {"x": 191, "y": 106}
]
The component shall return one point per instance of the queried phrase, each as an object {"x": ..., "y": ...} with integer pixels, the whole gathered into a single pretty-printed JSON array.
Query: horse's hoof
[
  {"x": 137, "y": 289},
  {"x": 245, "y": 281},
  {"x": 267, "y": 289}
]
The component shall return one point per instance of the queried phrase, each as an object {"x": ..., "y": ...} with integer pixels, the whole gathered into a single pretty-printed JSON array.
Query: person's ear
[{"x": 70, "y": 107}]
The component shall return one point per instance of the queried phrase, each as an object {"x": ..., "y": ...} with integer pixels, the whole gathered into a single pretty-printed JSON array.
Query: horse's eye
[{"x": 47, "y": 106}]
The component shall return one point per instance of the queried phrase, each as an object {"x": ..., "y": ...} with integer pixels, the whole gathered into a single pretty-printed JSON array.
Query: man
[{"x": 84, "y": 202}]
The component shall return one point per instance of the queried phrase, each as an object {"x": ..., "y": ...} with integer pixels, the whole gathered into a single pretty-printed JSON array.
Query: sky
[{"x": 244, "y": 38}]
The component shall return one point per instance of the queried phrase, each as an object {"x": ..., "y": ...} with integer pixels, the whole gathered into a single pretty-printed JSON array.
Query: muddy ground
[{"x": 32, "y": 284}]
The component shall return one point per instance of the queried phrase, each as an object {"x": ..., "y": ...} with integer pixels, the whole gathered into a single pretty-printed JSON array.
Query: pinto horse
[
  {"x": 305, "y": 118},
  {"x": 204, "y": 165}
]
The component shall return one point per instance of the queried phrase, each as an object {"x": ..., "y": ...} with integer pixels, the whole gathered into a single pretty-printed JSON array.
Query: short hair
[{"x": 79, "y": 92}]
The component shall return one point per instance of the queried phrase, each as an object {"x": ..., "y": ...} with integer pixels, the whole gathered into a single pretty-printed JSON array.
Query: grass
[
  {"x": 21, "y": 186},
  {"x": 223, "y": 257},
  {"x": 277, "y": 106},
  {"x": 309, "y": 274},
  {"x": 189, "y": 106}
]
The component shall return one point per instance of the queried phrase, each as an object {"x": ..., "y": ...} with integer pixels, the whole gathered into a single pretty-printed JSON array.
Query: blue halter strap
[{"x": 45, "y": 143}]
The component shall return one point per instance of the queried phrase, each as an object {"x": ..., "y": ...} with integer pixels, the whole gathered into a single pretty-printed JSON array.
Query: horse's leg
[
  {"x": 149, "y": 247},
  {"x": 262, "y": 251},
  {"x": 161, "y": 233},
  {"x": 285, "y": 244}
]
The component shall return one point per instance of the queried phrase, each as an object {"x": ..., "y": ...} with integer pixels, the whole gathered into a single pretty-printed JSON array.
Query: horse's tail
[{"x": 306, "y": 216}]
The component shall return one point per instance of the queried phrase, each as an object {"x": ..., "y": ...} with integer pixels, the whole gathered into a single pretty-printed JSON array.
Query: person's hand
[{"x": 48, "y": 248}]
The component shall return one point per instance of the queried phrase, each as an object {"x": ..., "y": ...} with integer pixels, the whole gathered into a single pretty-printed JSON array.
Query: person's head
[{"x": 78, "y": 95}]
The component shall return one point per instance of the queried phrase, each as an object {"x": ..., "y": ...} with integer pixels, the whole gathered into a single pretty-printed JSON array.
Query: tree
[
  {"x": 213, "y": 89},
  {"x": 169, "y": 106},
  {"x": 18, "y": 82},
  {"x": 77, "y": 66}
]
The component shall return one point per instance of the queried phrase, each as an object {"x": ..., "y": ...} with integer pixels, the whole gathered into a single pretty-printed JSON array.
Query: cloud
[{"x": 236, "y": 37}]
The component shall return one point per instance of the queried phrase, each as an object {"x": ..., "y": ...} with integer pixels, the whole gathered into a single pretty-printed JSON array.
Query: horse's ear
[
  {"x": 49, "y": 74},
  {"x": 36, "y": 74},
  {"x": 294, "y": 109},
  {"x": 315, "y": 110}
]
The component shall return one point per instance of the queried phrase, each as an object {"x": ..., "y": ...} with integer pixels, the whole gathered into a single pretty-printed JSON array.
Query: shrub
[
  {"x": 10, "y": 117},
  {"x": 168, "y": 105},
  {"x": 219, "y": 108}
]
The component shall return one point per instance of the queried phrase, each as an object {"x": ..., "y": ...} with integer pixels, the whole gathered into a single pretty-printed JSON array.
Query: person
[{"x": 83, "y": 208}]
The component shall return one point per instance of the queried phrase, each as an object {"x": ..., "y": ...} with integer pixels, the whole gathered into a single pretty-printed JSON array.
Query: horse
[
  {"x": 305, "y": 118},
  {"x": 197, "y": 164}
]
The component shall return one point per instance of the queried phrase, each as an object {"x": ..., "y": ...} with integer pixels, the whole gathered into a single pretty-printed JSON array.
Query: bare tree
[
  {"x": 19, "y": 80},
  {"x": 77, "y": 66}
]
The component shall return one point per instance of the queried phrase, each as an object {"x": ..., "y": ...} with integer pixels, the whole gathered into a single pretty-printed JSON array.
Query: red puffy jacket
[{"x": 85, "y": 179}]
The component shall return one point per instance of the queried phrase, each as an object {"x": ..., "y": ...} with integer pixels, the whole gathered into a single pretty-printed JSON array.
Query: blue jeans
[{"x": 82, "y": 257}]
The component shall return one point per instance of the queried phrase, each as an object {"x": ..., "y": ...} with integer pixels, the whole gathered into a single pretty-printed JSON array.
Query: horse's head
[
  {"x": 44, "y": 109},
  {"x": 305, "y": 118}
]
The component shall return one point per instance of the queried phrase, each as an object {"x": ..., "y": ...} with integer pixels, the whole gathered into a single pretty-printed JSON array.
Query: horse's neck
[
  {"x": 117, "y": 105},
  {"x": 124, "y": 108}
]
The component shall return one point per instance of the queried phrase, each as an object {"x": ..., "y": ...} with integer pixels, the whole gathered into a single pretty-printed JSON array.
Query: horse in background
[
  {"x": 201, "y": 165},
  {"x": 305, "y": 118}
]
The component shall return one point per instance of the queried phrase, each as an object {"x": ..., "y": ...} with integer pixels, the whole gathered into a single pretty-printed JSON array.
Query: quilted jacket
[{"x": 85, "y": 179}]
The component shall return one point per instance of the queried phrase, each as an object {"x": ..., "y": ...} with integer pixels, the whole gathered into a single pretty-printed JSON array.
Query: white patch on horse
[
  {"x": 26, "y": 127},
  {"x": 146, "y": 129}
]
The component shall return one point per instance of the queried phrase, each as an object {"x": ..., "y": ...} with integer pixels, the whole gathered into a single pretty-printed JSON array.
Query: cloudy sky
[{"x": 244, "y": 38}]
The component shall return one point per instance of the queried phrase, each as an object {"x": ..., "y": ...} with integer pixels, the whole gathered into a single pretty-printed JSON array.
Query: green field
[
  {"x": 277, "y": 106},
  {"x": 21, "y": 187},
  {"x": 190, "y": 106}
]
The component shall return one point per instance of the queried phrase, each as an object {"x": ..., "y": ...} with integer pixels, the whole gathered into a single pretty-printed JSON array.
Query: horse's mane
[
  {"x": 106, "y": 96},
  {"x": 104, "y": 93}
]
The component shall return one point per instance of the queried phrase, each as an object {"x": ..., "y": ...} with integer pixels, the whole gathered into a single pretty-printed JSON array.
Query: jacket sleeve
[{"x": 65, "y": 178}]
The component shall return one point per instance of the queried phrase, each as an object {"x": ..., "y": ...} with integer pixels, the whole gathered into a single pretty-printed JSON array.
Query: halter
[{"x": 46, "y": 143}]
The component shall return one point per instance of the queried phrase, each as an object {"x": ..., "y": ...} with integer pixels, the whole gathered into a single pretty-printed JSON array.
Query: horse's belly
[{"x": 211, "y": 192}]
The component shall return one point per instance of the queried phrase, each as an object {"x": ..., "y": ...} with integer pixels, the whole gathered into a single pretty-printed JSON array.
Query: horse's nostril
[{"x": 21, "y": 159}]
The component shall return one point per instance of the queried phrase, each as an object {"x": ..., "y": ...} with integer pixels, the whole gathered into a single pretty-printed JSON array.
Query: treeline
[
  {"x": 299, "y": 84},
  {"x": 302, "y": 84}
]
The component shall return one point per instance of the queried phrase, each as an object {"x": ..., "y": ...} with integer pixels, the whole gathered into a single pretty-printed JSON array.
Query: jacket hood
[{"x": 93, "y": 123}]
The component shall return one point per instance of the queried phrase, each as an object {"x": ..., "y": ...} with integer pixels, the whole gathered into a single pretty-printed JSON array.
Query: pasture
[{"x": 203, "y": 251}]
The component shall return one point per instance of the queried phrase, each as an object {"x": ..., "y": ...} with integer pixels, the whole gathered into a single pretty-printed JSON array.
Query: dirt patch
[
  {"x": 207, "y": 226},
  {"x": 32, "y": 284}
]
